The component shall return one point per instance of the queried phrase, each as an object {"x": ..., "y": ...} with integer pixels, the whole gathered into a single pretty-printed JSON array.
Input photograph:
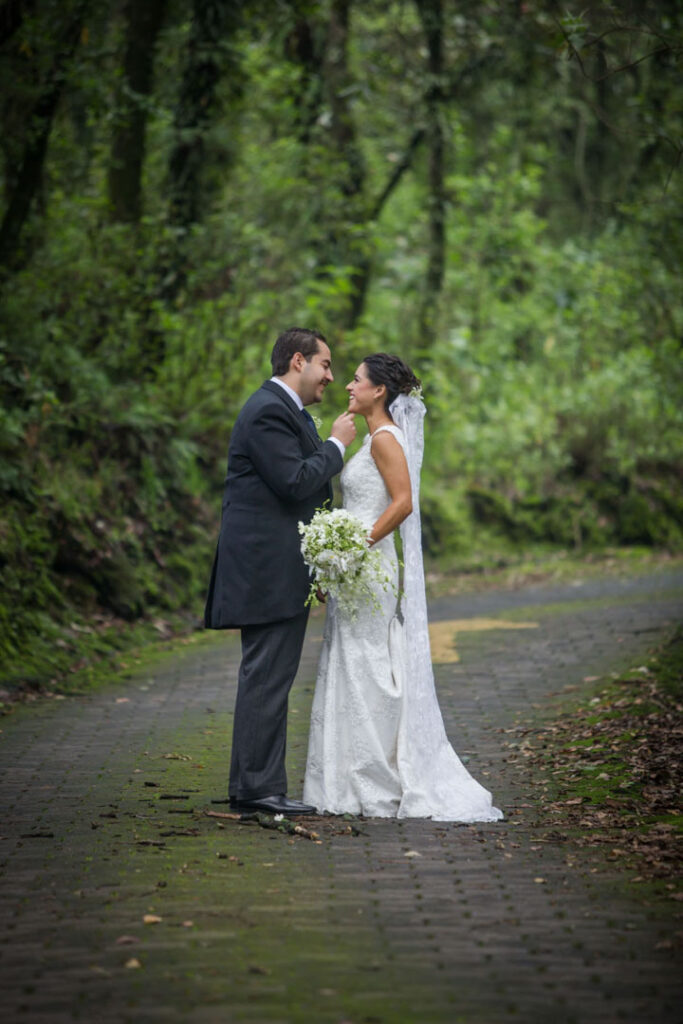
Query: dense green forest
[{"x": 491, "y": 190}]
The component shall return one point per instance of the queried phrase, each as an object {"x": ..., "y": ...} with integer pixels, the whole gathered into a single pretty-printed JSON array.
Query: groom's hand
[{"x": 344, "y": 429}]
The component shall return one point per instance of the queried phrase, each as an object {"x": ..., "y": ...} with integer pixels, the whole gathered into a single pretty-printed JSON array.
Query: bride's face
[{"x": 363, "y": 394}]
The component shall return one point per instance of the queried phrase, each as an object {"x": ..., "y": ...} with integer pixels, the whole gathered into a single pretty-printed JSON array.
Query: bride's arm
[{"x": 391, "y": 462}]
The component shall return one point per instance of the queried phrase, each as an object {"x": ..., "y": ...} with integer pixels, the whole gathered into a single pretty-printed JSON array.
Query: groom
[{"x": 279, "y": 472}]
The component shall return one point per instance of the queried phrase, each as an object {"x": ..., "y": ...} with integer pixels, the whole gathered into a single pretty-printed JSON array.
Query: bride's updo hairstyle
[{"x": 391, "y": 371}]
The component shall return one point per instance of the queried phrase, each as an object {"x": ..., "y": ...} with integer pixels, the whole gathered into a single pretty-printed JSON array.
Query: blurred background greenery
[{"x": 491, "y": 190}]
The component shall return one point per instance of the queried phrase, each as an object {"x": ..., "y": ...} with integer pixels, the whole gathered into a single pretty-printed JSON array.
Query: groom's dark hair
[{"x": 294, "y": 339}]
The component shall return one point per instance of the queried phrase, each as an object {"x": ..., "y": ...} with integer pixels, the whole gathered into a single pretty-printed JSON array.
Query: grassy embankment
[{"x": 606, "y": 773}]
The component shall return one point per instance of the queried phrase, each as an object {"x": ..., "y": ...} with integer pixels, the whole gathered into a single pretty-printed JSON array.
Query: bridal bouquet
[{"x": 335, "y": 548}]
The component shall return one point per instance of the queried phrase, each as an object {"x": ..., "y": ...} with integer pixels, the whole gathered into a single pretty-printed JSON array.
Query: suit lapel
[{"x": 311, "y": 440}]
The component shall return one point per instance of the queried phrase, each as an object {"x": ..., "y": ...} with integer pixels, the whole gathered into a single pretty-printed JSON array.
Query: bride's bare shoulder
[
  {"x": 388, "y": 434},
  {"x": 385, "y": 444}
]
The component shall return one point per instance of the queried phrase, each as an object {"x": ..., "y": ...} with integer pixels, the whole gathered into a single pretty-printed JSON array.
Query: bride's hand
[{"x": 321, "y": 595}]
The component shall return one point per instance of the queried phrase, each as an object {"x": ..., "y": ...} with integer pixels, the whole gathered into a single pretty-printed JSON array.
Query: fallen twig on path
[
  {"x": 277, "y": 823},
  {"x": 326, "y": 826}
]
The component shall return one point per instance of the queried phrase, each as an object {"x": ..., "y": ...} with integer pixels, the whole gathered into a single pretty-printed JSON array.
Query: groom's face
[{"x": 316, "y": 374}]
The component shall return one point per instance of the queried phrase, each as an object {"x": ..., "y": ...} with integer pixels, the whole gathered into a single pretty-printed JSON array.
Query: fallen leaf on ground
[{"x": 621, "y": 750}]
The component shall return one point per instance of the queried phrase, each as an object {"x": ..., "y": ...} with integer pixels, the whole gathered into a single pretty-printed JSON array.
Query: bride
[{"x": 377, "y": 743}]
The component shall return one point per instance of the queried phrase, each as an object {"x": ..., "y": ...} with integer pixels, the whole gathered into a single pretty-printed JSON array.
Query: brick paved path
[{"x": 102, "y": 823}]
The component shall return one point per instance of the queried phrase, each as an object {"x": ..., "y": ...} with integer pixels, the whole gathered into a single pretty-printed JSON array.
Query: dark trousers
[{"x": 270, "y": 659}]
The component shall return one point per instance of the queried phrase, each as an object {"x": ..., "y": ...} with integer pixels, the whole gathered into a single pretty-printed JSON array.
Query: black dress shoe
[{"x": 278, "y": 804}]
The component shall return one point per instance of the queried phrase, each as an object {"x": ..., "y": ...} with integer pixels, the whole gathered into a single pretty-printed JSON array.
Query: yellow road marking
[{"x": 442, "y": 635}]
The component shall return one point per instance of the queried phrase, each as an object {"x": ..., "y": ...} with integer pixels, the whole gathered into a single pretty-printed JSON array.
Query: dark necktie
[{"x": 310, "y": 422}]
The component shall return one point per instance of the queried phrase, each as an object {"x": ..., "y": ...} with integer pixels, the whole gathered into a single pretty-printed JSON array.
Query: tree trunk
[
  {"x": 351, "y": 167},
  {"x": 128, "y": 143},
  {"x": 212, "y": 22},
  {"x": 30, "y": 172},
  {"x": 431, "y": 16},
  {"x": 304, "y": 47},
  {"x": 206, "y": 61},
  {"x": 346, "y": 245},
  {"x": 11, "y": 17}
]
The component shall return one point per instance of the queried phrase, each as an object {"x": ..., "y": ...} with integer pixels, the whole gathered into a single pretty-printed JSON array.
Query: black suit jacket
[{"x": 279, "y": 472}]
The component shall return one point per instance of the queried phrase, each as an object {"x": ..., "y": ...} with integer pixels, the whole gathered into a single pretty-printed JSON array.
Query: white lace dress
[{"x": 370, "y": 751}]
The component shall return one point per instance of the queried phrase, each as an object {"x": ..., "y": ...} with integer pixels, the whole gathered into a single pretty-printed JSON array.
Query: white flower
[
  {"x": 335, "y": 548},
  {"x": 279, "y": 817}
]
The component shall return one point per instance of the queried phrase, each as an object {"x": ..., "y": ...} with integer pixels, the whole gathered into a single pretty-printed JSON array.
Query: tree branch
[
  {"x": 397, "y": 173},
  {"x": 613, "y": 71}
]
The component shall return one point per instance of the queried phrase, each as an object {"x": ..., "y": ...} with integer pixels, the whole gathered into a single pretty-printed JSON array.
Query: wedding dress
[{"x": 377, "y": 744}]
